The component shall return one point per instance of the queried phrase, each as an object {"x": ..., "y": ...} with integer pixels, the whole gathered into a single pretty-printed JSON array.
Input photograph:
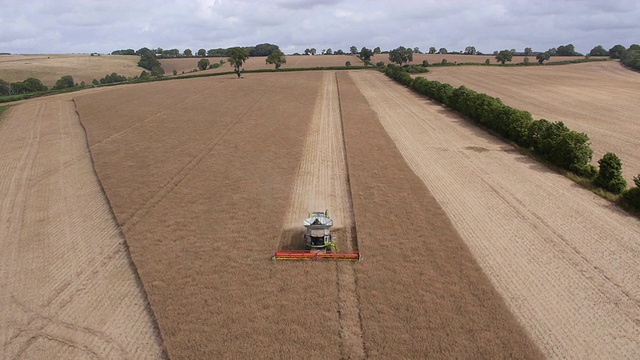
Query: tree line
[{"x": 258, "y": 50}]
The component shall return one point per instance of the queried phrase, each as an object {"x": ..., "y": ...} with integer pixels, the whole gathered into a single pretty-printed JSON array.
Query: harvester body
[
  {"x": 318, "y": 235},
  {"x": 319, "y": 242}
]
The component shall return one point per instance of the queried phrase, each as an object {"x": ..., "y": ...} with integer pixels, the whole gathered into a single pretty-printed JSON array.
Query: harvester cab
[
  {"x": 318, "y": 235},
  {"x": 319, "y": 242}
]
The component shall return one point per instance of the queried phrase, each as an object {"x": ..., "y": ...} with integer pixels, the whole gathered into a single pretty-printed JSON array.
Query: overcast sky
[{"x": 84, "y": 26}]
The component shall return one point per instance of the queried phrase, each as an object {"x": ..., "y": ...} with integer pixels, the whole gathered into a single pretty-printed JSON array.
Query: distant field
[
  {"x": 297, "y": 61},
  {"x": 49, "y": 68},
  {"x": 599, "y": 99},
  {"x": 458, "y": 58}
]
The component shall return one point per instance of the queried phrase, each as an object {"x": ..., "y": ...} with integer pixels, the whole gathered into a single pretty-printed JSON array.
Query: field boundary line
[{"x": 127, "y": 252}]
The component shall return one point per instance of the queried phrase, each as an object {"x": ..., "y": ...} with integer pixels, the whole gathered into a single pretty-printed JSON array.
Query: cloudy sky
[{"x": 83, "y": 26}]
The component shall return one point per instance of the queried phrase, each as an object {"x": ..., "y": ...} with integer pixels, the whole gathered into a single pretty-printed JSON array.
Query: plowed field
[
  {"x": 599, "y": 99},
  {"x": 565, "y": 261},
  {"x": 68, "y": 287},
  {"x": 205, "y": 176}
]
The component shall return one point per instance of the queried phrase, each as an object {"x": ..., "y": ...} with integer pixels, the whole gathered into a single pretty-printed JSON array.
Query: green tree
[
  {"x": 5, "y": 88},
  {"x": 263, "y": 49},
  {"x": 96, "y": 82},
  {"x": 528, "y": 51},
  {"x": 610, "y": 175},
  {"x": 566, "y": 50},
  {"x": 329, "y": 52},
  {"x": 377, "y": 50},
  {"x": 401, "y": 55},
  {"x": 307, "y": 51},
  {"x": 598, "y": 51},
  {"x": 504, "y": 56},
  {"x": 28, "y": 86},
  {"x": 347, "y": 64},
  {"x": 416, "y": 50},
  {"x": 121, "y": 52},
  {"x": 339, "y": 52},
  {"x": 442, "y": 51},
  {"x": 203, "y": 64},
  {"x": 366, "y": 54},
  {"x": 64, "y": 82},
  {"x": 148, "y": 59},
  {"x": 187, "y": 53},
  {"x": 237, "y": 57},
  {"x": 113, "y": 78},
  {"x": 276, "y": 58},
  {"x": 541, "y": 57},
  {"x": 202, "y": 52},
  {"x": 157, "y": 71},
  {"x": 312, "y": 51},
  {"x": 432, "y": 50},
  {"x": 175, "y": 72},
  {"x": 470, "y": 50},
  {"x": 616, "y": 51},
  {"x": 354, "y": 50}
]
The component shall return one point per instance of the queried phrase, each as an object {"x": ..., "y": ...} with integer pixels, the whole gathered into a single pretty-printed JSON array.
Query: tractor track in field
[
  {"x": 323, "y": 183},
  {"x": 129, "y": 223}
]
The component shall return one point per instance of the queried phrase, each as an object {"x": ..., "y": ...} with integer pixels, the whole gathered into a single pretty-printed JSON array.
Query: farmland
[
  {"x": 564, "y": 260},
  {"x": 216, "y": 190},
  {"x": 68, "y": 288},
  {"x": 50, "y": 68},
  {"x": 461, "y": 59},
  {"x": 470, "y": 248},
  {"x": 258, "y": 62},
  {"x": 599, "y": 99}
]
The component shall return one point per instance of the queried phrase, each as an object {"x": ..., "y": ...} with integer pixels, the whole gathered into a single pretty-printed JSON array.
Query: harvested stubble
[{"x": 421, "y": 291}]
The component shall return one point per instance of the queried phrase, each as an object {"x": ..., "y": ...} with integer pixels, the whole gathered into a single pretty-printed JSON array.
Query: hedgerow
[{"x": 552, "y": 141}]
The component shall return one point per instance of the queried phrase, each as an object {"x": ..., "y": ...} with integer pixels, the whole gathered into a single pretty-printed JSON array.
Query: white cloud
[{"x": 40, "y": 26}]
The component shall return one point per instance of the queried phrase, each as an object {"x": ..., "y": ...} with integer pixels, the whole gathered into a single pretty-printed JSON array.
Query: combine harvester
[{"x": 319, "y": 242}]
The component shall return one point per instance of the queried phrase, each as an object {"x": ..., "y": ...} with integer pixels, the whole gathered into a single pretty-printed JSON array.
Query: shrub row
[
  {"x": 631, "y": 58},
  {"x": 113, "y": 78},
  {"x": 21, "y": 87},
  {"x": 552, "y": 141}
]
